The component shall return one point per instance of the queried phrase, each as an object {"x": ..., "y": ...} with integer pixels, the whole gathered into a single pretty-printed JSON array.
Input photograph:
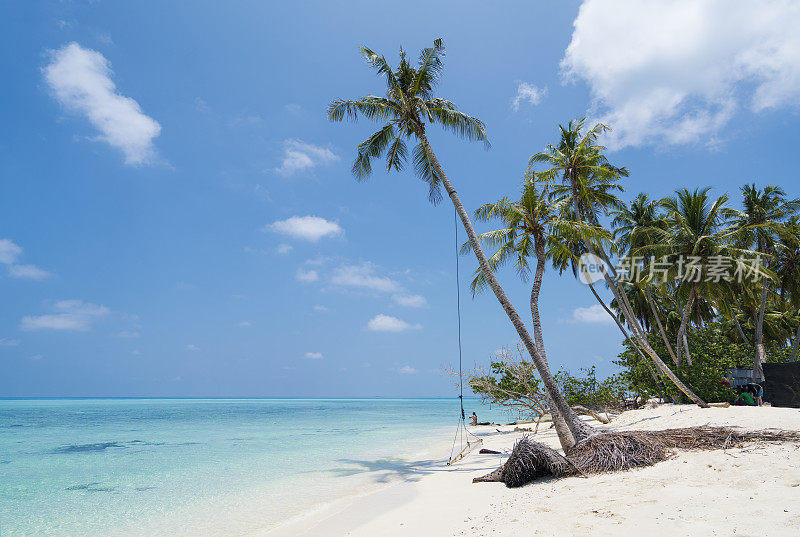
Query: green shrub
[
  {"x": 712, "y": 354},
  {"x": 586, "y": 390}
]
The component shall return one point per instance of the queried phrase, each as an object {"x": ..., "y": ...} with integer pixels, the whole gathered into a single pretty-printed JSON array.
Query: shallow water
[{"x": 205, "y": 468}]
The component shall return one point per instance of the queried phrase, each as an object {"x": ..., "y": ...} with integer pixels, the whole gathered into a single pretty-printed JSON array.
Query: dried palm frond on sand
[{"x": 620, "y": 450}]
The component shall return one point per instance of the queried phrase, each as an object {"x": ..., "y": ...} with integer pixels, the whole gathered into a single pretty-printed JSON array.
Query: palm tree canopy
[
  {"x": 631, "y": 222},
  {"x": 760, "y": 221},
  {"x": 408, "y": 104},
  {"x": 534, "y": 225},
  {"x": 586, "y": 173}
]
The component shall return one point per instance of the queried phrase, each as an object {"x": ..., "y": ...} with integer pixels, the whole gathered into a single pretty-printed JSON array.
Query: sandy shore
[{"x": 749, "y": 491}]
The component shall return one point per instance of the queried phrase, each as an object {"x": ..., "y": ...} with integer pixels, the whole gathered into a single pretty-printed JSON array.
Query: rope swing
[{"x": 462, "y": 432}]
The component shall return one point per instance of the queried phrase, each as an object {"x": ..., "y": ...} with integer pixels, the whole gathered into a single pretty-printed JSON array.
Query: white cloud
[
  {"x": 363, "y": 276},
  {"x": 284, "y": 249},
  {"x": 192, "y": 347},
  {"x": 36, "y": 357},
  {"x": 592, "y": 314},
  {"x": 245, "y": 324},
  {"x": 527, "y": 93},
  {"x": 68, "y": 315},
  {"x": 411, "y": 301},
  {"x": 677, "y": 71},
  {"x": 9, "y": 251},
  {"x": 299, "y": 156},
  {"x": 407, "y": 370},
  {"x": 313, "y": 355},
  {"x": 387, "y": 323},
  {"x": 126, "y": 334},
  {"x": 306, "y": 276},
  {"x": 30, "y": 272},
  {"x": 320, "y": 308},
  {"x": 81, "y": 81},
  {"x": 310, "y": 228},
  {"x": 6, "y": 342}
]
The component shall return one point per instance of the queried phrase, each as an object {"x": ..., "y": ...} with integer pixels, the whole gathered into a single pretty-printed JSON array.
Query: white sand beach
[{"x": 749, "y": 491}]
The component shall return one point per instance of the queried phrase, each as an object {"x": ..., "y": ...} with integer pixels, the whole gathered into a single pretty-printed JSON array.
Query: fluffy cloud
[
  {"x": 30, "y": 272},
  {"x": 6, "y": 342},
  {"x": 309, "y": 228},
  {"x": 527, "y": 93},
  {"x": 411, "y": 301},
  {"x": 677, "y": 71},
  {"x": 192, "y": 347},
  {"x": 306, "y": 276},
  {"x": 313, "y": 355},
  {"x": 283, "y": 249},
  {"x": 80, "y": 80},
  {"x": 9, "y": 251},
  {"x": 407, "y": 370},
  {"x": 299, "y": 156},
  {"x": 364, "y": 277},
  {"x": 592, "y": 314},
  {"x": 387, "y": 323},
  {"x": 67, "y": 315}
]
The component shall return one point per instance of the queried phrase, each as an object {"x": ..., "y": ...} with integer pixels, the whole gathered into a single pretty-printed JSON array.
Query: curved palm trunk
[
  {"x": 796, "y": 344},
  {"x": 739, "y": 328},
  {"x": 562, "y": 429},
  {"x": 579, "y": 429},
  {"x": 660, "y": 326},
  {"x": 687, "y": 309},
  {"x": 760, "y": 355},
  {"x": 627, "y": 312},
  {"x": 625, "y": 333}
]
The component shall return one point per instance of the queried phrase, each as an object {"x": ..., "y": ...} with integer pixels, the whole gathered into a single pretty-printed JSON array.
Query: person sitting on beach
[
  {"x": 474, "y": 418},
  {"x": 745, "y": 399}
]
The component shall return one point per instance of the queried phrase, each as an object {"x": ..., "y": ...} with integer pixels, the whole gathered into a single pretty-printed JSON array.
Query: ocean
[{"x": 205, "y": 467}]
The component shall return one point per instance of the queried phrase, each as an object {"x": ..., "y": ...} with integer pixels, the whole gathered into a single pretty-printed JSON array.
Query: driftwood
[
  {"x": 579, "y": 409},
  {"x": 620, "y": 450}
]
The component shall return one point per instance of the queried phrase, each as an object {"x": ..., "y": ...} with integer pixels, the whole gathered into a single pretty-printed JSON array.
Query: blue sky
[{"x": 177, "y": 215}]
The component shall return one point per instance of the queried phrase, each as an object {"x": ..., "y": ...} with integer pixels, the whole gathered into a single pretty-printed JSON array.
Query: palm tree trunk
[
  {"x": 739, "y": 328},
  {"x": 660, "y": 326},
  {"x": 686, "y": 348},
  {"x": 796, "y": 344},
  {"x": 687, "y": 309},
  {"x": 565, "y": 436},
  {"x": 579, "y": 429},
  {"x": 537, "y": 286},
  {"x": 627, "y": 312},
  {"x": 625, "y": 333},
  {"x": 760, "y": 355}
]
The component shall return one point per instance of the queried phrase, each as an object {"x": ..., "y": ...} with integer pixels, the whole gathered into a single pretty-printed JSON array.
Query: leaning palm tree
[
  {"x": 532, "y": 227},
  {"x": 760, "y": 223},
  {"x": 408, "y": 107},
  {"x": 631, "y": 225},
  {"x": 578, "y": 160}
]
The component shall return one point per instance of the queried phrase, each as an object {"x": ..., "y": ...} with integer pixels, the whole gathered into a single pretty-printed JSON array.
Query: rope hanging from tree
[{"x": 461, "y": 429}]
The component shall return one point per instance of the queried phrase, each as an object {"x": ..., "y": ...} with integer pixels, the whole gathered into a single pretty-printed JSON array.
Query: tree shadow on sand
[{"x": 392, "y": 468}]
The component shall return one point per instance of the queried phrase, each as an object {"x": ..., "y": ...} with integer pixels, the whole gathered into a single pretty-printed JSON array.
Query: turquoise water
[{"x": 205, "y": 468}]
